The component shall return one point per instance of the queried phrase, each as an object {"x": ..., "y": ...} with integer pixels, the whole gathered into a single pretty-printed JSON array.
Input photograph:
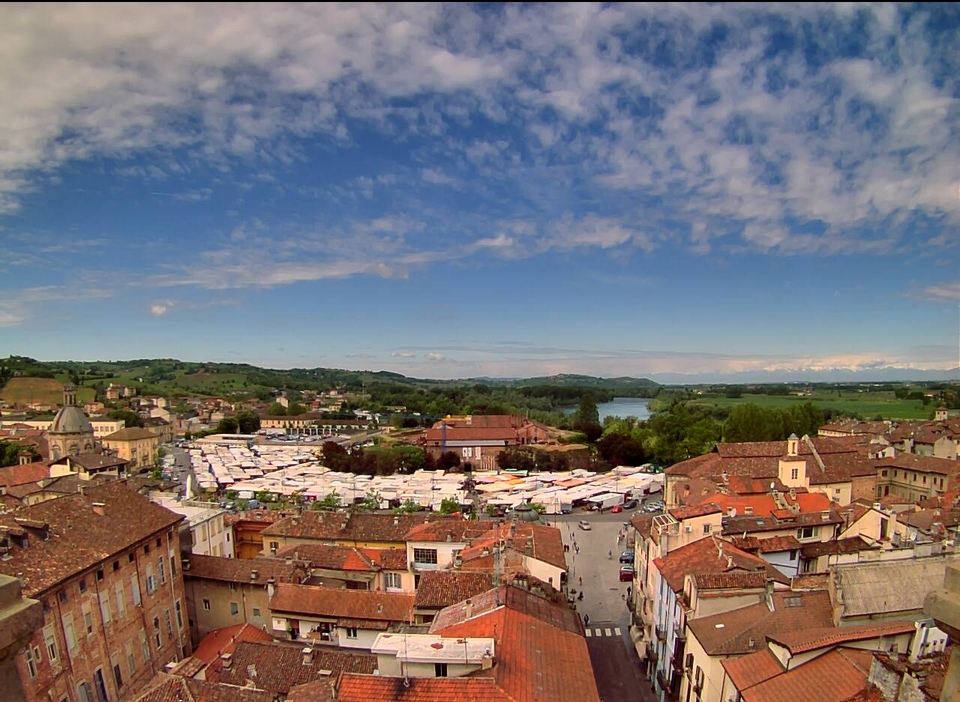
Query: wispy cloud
[
  {"x": 18, "y": 306},
  {"x": 947, "y": 292}
]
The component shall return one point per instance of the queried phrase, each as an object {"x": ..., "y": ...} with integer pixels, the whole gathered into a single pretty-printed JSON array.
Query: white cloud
[
  {"x": 158, "y": 309},
  {"x": 434, "y": 356},
  {"x": 402, "y": 354},
  {"x": 947, "y": 292},
  {"x": 18, "y": 306},
  {"x": 437, "y": 177}
]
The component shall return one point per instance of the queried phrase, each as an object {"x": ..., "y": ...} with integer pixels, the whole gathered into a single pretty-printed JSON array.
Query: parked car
[
  {"x": 617, "y": 509},
  {"x": 584, "y": 525},
  {"x": 626, "y": 573},
  {"x": 626, "y": 557},
  {"x": 629, "y": 504}
]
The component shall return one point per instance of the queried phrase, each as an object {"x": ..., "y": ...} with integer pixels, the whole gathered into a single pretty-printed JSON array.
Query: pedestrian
[
  {"x": 578, "y": 549},
  {"x": 586, "y": 620},
  {"x": 580, "y": 596},
  {"x": 580, "y": 580}
]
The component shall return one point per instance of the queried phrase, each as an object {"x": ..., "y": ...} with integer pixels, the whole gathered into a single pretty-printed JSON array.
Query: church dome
[{"x": 71, "y": 420}]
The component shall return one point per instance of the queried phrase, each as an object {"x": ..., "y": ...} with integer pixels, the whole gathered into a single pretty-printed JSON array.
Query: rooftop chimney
[
  {"x": 467, "y": 609},
  {"x": 307, "y": 655},
  {"x": 226, "y": 660},
  {"x": 253, "y": 574},
  {"x": 98, "y": 508},
  {"x": 486, "y": 662},
  {"x": 748, "y": 511}
]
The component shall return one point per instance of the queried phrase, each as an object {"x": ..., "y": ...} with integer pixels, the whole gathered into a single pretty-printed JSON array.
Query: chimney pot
[{"x": 98, "y": 508}]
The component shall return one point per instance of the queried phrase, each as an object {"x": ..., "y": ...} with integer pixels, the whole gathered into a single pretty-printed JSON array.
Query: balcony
[
  {"x": 681, "y": 632},
  {"x": 661, "y": 633},
  {"x": 663, "y": 681},
  {"x": 652, "y": 655}
]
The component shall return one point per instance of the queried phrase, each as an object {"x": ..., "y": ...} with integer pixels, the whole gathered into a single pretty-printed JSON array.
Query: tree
[
  {"x": 538, "y": 507},
  {"x": 371, "y": 501},
  {"x": 264, "y": 496},
  {"x": 587, "y": 418},
  {"x": 408, "y": 507},
  {"x": 331, "y": 501},
  {"x": 277, "y": 410},
  {"x": 248, "y": 422},
  {"x": 9, "y": 453},
  {"x": 335, "y": 457},
  {"x": 449, "y": 505},
  {"x": 130, "y": 419},
  {"x": 621, "y": 450},
  {"x": 228, "y": 425},
  {"x": 294, "y": 409},
  {"x": 449, "y": 459}
]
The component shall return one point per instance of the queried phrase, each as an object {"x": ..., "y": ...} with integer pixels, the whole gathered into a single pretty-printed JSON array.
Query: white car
[{"x": 584, "y": 525}]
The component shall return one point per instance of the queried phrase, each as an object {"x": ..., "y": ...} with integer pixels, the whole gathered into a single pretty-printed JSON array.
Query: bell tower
[{"x": 69, "y": 395}]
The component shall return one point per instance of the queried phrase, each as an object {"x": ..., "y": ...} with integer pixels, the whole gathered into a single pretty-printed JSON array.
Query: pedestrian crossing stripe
[
  {"x": 587, "y": 632},
  {"x": 600, "y": 632},
  {"x": 607, "y": 632},
  {"x": 616, "y": 630}
]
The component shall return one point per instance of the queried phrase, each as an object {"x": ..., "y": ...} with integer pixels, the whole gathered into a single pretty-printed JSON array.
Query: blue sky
[{"x": 701, "y": 192}]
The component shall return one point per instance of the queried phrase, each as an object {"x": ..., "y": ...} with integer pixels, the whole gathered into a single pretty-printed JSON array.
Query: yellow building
[{"x": 139, "y": 446}]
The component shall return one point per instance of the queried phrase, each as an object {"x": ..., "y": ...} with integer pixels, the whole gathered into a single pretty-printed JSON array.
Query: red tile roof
[
  {"x": 330, "y": 557},
  {"x": 710, "y": 556},
  {"x": 167, "y": 688},
  {"x": 342, "y": 603},
  {"x": 23, "y": 474},
  {"x": 359, "y": 527},
  {"x": 459, "y": 530},
  {"x": 223, "y": 640},
  {"x": 541, "y": 653},
  {"x": 442, "y": 588},
  {"x": 731, "y": 633},
  {"x": 79, "y": 537},
  {"x": 832, "y": 677},
  {"x": 375, "y": 688},
  {"x": 924, "y": 464},
  {"x": 255, "y": 571},
  {"x": 279, "y": 667},
  {"x": 387, "y": 558},
  {"x": 812, "y": 639},
  {"x": 542, "y": 543}
]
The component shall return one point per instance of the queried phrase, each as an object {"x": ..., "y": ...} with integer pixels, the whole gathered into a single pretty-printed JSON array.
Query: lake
[{"x": 621, "y": 407}]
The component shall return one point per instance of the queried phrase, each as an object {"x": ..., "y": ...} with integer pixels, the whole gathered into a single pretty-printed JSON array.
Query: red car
[
  {"x": 626, "y": 573},
  {"x": 617, "y": 509}
]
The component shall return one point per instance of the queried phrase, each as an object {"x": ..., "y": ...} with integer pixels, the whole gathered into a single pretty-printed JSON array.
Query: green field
[
  {"x": 22, "y": 391},
  {"x": 868, "y": 404}
]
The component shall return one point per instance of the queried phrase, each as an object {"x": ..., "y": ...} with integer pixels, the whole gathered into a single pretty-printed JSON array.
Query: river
[{"x": 621, "y": 407}]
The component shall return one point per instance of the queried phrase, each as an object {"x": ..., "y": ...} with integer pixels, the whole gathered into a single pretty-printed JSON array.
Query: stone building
[
  {"x": 105, "y": 564},
  {"x": 70, "y": 433}
]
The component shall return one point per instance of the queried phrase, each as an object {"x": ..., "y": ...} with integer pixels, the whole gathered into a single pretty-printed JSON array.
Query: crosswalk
[{"x": 602, "y": 631}]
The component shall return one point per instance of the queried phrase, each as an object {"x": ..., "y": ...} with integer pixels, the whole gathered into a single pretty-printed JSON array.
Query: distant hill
[
  {"x": 47, "y": 391},
  {"x": 588, "y": 381}
]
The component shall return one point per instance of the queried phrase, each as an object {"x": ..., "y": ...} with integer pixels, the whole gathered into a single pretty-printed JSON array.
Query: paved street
[{"x": 615, "y": 664}]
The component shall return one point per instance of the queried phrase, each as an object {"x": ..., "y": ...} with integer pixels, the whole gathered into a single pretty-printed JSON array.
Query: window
[
  {"x": 162, "y": 571},
  {"x": 100, "y": 685},
  {"x": 924, "y": 480},
  {"x": 884, "y": 474},
  {"x": 105, "y": 607},
  {"x": 130, "y": 557},
  {"x": 51, "y": 644},
  {"x": 117, "y": 675},
  {"x": 440, "y": 670},
  {"x": 158, "y": 543},
  {"x": 156, "y": 631},
  {"x": 166, "y": 621},
  {"x": 173, "y": 567},
  {"x": 179, "y": 615},
  {"x": 144, "y": 649},
  {"x": 83, "y": 585},
  {"x": 116, "y": 566},
  {"x": 85, "y": 692},
  {"x": 88, "y": 619},
  {"x": 794, "y": 473},
  {"x": 131, "y": 659},
  {"x": 135, "y": 589},
  {"x": 805, "y": 532},
  {"x": 99, "y": 575},
  {"x": 706, "y": 528},
  {"x": 151, "y": 580},
  {"x": 274, "y": 545},
  {"x": 146, "y": 549},
  {"x": 62, "y": 596},
  {"x": 121, "y": 604},
  {"x": 234, "y": 609},
  {"x": 31, "y": 658},
  {"x": 425, "y": 555},
  {"x": 206, "y": 605},
  {"x": 69, "y": 632},
  {"x": 391, "y": 581},
  {"x": 793, "y": 554},
  {"x": 351, "y": 632},
  {"x": 256, "y": 612}
]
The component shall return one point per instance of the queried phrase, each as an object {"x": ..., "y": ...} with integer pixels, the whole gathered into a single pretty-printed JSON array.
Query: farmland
[{"x": 48, "y": 391}]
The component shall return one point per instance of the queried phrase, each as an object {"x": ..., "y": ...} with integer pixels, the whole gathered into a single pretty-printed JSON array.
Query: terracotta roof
[
  {"x": 924, "y": 464},
  {"x": 752, "y": 669},
  {"x": 23, "y": 474},
  {"x": 241, "y": 570},
  {"x": 366, "y": 688},
  {"x": 459, "y": 530},
  {"x": 925, "y": 519},
  {"x": 541, "y": 650},
  {"x": 744, "y": 630},
  {"x": 223, "y": 640},
  {"x": 442, "y": 588},
  {"x": 278, "y": 667},
  {"x": 711, "y": 556},
  {"x": 343, "y": 526},
  {"x": 643, "y": 524},
  {"x": 681, "y": 513},
  {"x": 832, "y": 677},
  {"x": 387, "y": 558},
  {"x": 168, "y": 688},
  {"x": 812, "y": 639},
  {"x": 829, "y": 548},
  {"x": 760, "y": 523},
  {"x": 323, "y": 690},
  {"x": 79, "y": 538},
  {"x": 331, "y": 557},
  {"x": 93, "y": 461},
  {"x": 266, "y": 516},
  {"x": 341, "y": 603},
  {"x": 130, "y": 434},
  {"x": 734, "y": 580},
  {"x": 810, "y": 581}
]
